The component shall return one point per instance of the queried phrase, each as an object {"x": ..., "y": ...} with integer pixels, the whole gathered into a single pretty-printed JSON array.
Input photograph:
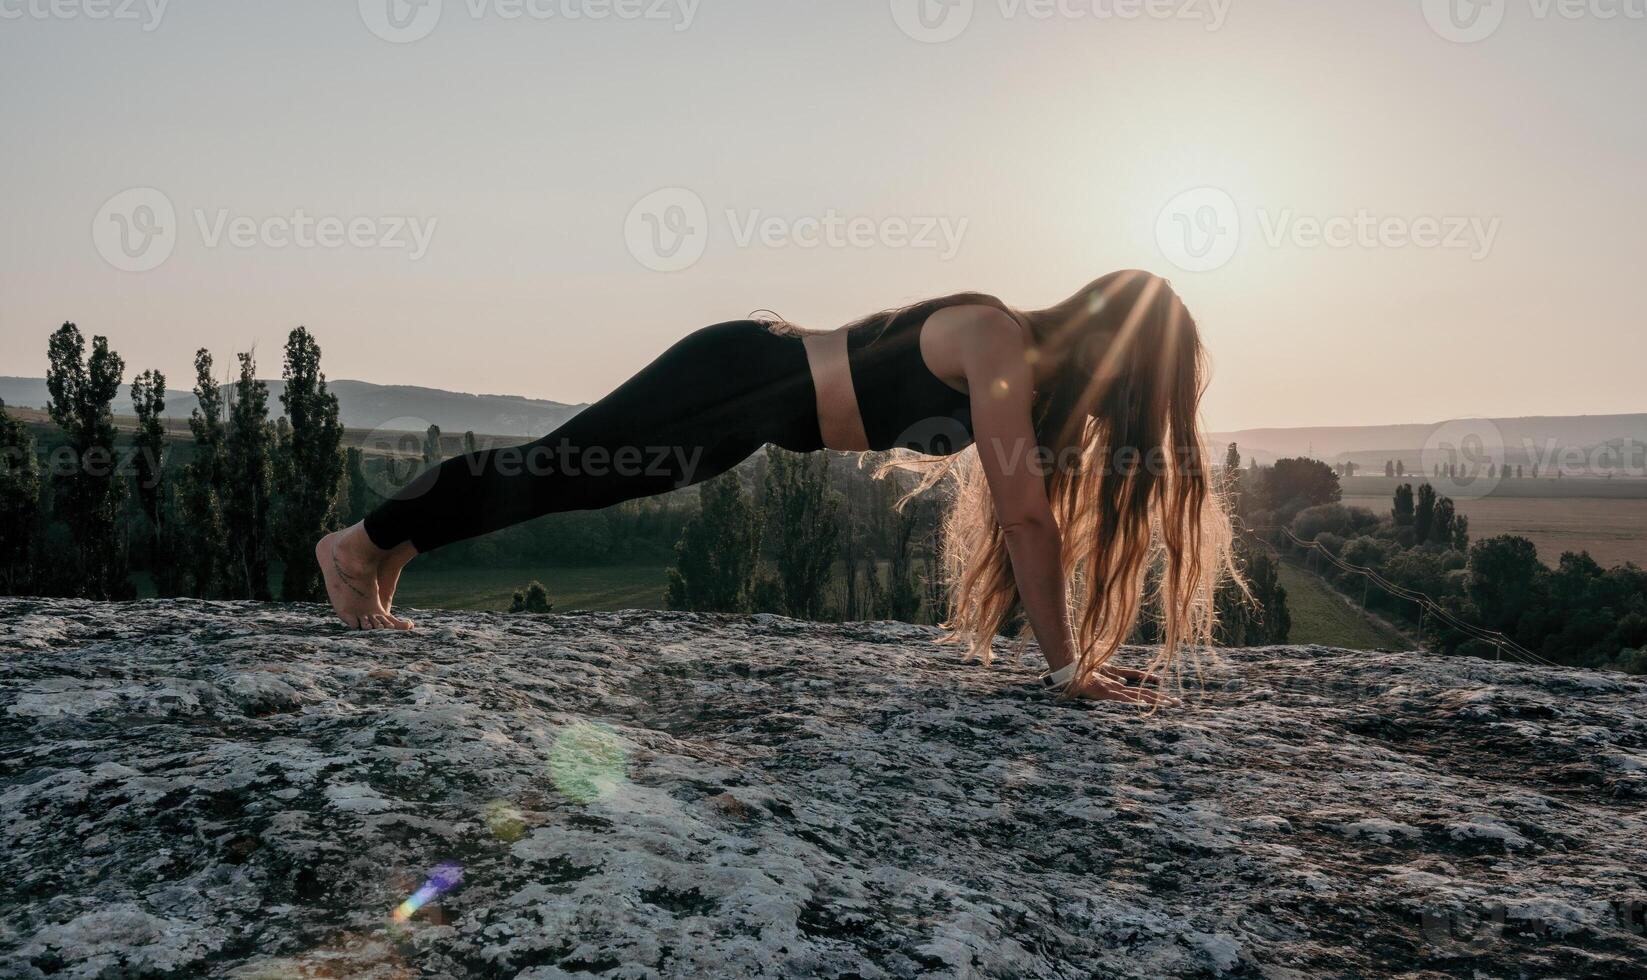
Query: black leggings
[{"x": 703, "y": 407}]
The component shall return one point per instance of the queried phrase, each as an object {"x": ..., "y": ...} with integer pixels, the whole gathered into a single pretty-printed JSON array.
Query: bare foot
[
  {"x": 388, "y": 578},
  {"x": 351, "y": 565}
]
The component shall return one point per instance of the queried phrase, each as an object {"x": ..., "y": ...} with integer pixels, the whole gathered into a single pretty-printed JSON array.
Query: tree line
[
  {"x": 79, "y": 513},
  {"x": 1577, "y": 613}
]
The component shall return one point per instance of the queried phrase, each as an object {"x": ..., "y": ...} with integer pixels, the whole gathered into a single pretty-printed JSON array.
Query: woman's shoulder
[{"x": 973, "y": 324}]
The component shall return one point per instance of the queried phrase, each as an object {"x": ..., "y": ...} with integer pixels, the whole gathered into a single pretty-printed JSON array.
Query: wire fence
[{"x": 1428, "y": 607}]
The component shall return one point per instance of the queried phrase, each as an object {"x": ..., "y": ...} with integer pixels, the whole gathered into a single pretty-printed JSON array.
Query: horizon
[
  {"x": 1211, "y": 430},
  {"x": 1320, "y": 167}
]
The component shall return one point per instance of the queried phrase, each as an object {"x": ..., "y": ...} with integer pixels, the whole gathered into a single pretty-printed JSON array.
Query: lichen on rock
[{"x": 245, "y": 790}]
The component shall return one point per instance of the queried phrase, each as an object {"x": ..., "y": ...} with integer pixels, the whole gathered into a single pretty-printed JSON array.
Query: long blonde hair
[{"x": 1130, "y": 483}]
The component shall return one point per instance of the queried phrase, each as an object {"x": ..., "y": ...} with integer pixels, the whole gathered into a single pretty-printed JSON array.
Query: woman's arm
[{"x": 1001, "y": 382}]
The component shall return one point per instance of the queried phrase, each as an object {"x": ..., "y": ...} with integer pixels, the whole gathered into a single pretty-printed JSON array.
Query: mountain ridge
[{"x": 367, "y": 405}]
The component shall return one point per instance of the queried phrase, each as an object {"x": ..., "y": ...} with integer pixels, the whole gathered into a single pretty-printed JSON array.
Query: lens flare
[
  {"x": 588, "y": 762},
  {"x": 443, "y": 879}
]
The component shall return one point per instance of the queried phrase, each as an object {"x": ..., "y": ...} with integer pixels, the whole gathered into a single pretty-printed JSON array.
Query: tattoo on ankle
[{"x": 344, "y": 576}]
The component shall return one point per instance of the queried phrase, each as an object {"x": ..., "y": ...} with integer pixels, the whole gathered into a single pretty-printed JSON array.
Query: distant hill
[
  {"x": 1372, "y": 444},
  {"x": 403, "y": 407},
  {"x": 368, "y": 406}
]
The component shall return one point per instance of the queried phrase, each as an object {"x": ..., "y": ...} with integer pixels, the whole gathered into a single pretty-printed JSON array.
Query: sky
[{"x": 1379, "y": 212}]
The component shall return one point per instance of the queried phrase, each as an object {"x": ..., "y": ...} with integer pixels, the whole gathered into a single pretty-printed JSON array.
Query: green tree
[
  {"x": 1294, "y": 484},
  {"x": 1504, "y": 575},
  {"x": 803, "y": 527},
  {"x": 1258, "y": 618},
  {"x": 1461, "y": 533},
  {"x": 358, "y": 493},
  {"x": 718, "y": 549},
  {"x": 89, "y": 495},
  {"x": 248, "y": 482},
  {"x": 1424, "y": 513},
  {"x": 19, "y": 506},
  {"x": 1445, "y": 523},
  {"x": 532, "y": 599},
  {"x": 1402, "y": 514},
  {"x": 311, "y": 464},
  {"x": 154, "y": 491},
  {"x": 1232, "y": 481},
  {"x": 431, "y": 447},
  {"x": 205, "y": 535},
  {"x": 900, "y": 599}
]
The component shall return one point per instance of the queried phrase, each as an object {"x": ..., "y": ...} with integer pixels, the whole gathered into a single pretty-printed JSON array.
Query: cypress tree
[
  {"x": 1424, "y": 513},
  {"x": 801, "y": 510},
  {"x": 311, "y": 462},
  {"x": 89, "y": 495},
  {"x": 248, "y": 484},
  {"x": 203, "y": 492},
  {"x": 1402, "y": 513},
  {"x": 153, "y": 489},
  {"x": 718, "y": 550},
  {"x": 19, "y": 506}
]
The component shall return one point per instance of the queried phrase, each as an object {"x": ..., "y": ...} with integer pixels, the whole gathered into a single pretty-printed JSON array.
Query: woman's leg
[{"x": 701, "y": 408}]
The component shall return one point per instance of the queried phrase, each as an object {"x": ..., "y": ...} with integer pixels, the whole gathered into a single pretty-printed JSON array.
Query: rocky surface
[{"x": 221, "y": 789}]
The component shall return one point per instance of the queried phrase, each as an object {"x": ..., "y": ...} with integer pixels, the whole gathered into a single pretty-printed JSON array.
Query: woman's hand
[
  {"x": 1099, "y": 687},
  {"x": 1130, "y": 676}
]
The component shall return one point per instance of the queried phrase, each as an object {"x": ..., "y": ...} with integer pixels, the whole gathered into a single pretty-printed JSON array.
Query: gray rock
[{"x": 243, "y": 790}]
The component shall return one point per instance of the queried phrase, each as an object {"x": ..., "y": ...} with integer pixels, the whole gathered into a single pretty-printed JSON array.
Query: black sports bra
[{"x": 903, "y": 404}]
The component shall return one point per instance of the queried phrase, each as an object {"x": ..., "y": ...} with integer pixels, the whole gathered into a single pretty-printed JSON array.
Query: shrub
[
  {"x": 533, "y": 599},
  {"x": 1336, "y": 519}
]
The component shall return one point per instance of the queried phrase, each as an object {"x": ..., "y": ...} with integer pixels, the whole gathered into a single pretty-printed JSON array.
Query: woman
[{"x": 1087, "y": 480}]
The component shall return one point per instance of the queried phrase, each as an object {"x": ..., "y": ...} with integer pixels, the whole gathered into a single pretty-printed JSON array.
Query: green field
[
  {"x": 602, "y": 587},
  {"x": 1613, "y": 531},
  {"x": 1322, "y": 615}
]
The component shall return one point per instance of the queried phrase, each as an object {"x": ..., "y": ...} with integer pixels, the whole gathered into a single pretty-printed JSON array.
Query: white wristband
[{"x": 1059, "y": 679}]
